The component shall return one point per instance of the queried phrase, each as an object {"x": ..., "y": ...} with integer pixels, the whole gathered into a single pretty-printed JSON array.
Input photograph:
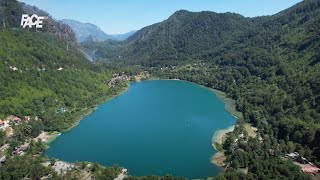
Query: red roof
[
  {"x": 310, "y": 169},
  {"x": 16, "y": 119}
]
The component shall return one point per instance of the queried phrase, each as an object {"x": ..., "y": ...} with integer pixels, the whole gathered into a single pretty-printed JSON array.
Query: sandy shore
[
  {"x": 219, "y": 135},
  {"x": 47, "y": 137},
  {"x": 121, "y": 176},
  {"x": 218, "y": 159},
  {"x": 218, "y": 138}
]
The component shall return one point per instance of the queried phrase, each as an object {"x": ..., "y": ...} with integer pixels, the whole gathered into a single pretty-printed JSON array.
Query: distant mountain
[
  {"x": 121, "y": 37},
  {"x": 85, "y": 31}
]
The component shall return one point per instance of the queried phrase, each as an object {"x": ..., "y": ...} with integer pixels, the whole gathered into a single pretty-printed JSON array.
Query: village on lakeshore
[{"x": 125, "y": 77}]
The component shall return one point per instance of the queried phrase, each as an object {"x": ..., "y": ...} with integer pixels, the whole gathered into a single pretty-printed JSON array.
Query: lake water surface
[{"x": 156, "y": 127}]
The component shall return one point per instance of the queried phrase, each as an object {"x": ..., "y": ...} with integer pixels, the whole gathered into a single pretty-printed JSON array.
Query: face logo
[{"x": 30, "y": 21}]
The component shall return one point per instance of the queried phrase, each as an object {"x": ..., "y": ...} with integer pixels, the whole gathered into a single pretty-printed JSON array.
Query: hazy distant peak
[{"x": 86, "y": 31}]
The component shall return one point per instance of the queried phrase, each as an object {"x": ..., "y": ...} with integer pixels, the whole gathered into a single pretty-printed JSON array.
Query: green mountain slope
[
  {"x": 43, "y": 71},
  {"x": 43, "y": 75},
  {"x": 188, "y": 36},
  {"x": 183, "y": 36},
  {"x": 39, "y": 75}
]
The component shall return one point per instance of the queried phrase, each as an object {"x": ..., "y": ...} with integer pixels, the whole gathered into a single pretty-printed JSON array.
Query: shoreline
[
  {"x": 229, "y": 104},
  {"x": 219, "y": 135},
  {"x": 55, "y": 134},
  {"x": 218, "y": 160},
  {"x": 217, "y": 140},
  {"x": 88, "y": 111},
  {"x": 52, "y": 136}
]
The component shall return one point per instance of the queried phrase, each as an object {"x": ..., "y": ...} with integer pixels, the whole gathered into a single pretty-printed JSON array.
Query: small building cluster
[
  {"x": 16, "y": 119},
  {"x": 5, "y": 125},
  {"x": 306, "y": 166},
  {"x": 62, "y": 110},
  {"x": 118, "y": 77},
  {"x": 18, "y": 151}
]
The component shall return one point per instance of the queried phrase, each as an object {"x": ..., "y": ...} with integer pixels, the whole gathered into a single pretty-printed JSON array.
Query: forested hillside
[
  {"x": 269, "y": 65},
  {"x": 39, "y": 75},
  {"x": 46, "y": 84},
  {"x": 182, "y": 37},
  {"x": 43, "y": 71},
  {"x": 188, "y": 36}
]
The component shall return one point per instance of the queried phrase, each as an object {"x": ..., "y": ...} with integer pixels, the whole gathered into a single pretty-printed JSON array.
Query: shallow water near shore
[{"x": 156, "y": 127}]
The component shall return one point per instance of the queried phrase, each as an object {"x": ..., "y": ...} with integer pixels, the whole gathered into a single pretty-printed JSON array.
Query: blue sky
[{"x": 120, "y": 16}]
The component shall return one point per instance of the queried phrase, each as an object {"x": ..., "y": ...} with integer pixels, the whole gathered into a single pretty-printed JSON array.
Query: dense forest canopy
[{"x": 39, "y": 76}]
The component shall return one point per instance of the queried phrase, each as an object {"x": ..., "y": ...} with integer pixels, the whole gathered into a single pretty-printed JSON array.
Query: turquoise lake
[{"x": 156, "y": 127}]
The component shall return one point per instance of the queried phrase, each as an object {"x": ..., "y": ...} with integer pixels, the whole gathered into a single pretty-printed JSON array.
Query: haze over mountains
[{"x": 91, "y": 32}]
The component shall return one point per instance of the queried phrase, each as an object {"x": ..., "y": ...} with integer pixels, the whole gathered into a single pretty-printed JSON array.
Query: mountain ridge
[
  {"x": 168, "y": 35},
  {"x": 84, "y": 30}
]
